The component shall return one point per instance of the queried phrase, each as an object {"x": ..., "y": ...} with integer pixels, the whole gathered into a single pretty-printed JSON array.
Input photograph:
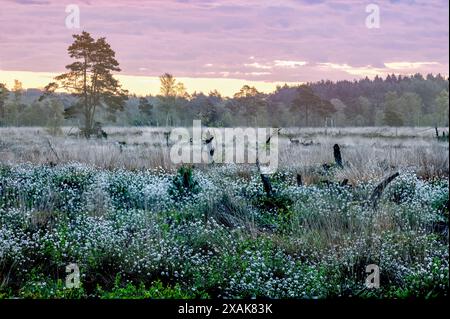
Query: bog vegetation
[
  {"x": 158, "y": 231},
  {"x": 108, "y": 198},
  {"x": 217, "y": 233}
]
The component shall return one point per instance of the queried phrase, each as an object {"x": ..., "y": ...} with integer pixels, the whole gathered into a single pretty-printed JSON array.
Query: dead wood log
[
  {"x": 344, "y": 182},
  {"x": 209, "y": 140},
  {"x": 270, "y": 137},
  {"x": 378, "y": 191},
  {"x": 307, "y": 143}
]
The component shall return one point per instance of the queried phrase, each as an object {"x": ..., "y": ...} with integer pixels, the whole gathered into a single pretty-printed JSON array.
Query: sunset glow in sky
[{"x": 224, "y": 44}]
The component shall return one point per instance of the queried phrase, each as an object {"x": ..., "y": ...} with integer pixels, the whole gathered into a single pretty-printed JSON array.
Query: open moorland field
[{"x": 138, "y": 226}]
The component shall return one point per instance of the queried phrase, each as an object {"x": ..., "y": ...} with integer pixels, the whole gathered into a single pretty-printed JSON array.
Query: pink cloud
[{"x": 181, "y": 37}]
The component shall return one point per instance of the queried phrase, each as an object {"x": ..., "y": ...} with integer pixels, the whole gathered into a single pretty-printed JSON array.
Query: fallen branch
[{"x": 268, "y": 140}]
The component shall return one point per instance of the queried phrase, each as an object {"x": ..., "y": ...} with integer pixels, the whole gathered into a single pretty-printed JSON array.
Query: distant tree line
[
  {"x": 393, "y": 101},
  {"x": 396, "y": 100},
  {"x": 18, "y": 109},
  {"x": 94, "y": 97}
]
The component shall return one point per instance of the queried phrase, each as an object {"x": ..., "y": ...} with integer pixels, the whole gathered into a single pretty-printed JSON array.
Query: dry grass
[{"x": 367, "y": 152}]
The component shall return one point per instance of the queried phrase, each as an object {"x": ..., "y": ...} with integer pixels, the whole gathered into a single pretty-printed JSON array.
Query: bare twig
[{"x": 52, "y": 149}]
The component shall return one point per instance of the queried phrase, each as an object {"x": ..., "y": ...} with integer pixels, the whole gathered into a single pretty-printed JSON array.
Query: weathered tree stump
[
  {"x": 186, "y": 179},
  {"x": 299, "y": 180},
  {"x": 337, "y": 155},
  {"x": 267, "y": 185},
  {"x": 166, "y": 135},
  {"x": 265, "y": 181}
]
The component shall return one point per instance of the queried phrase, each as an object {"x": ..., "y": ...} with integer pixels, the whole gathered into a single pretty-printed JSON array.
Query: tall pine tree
[{"x": 90, "y": 79}]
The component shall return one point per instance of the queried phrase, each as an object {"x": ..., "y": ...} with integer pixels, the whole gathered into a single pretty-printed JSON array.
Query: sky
[{"x": 224, "y": 44}]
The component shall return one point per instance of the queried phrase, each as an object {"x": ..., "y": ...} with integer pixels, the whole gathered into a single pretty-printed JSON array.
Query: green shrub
[
  {"x": 184, "y": 184},
  {"x": 39, "y": 286},
  {"x": 156, "y": 291}
]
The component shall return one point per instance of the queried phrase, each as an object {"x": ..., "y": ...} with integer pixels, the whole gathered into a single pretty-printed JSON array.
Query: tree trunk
[
  {"x": 87, "y": 120},
  {"x": 306, "y": 116}
]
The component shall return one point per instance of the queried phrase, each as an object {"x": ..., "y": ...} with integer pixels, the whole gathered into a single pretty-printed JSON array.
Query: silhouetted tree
[
  {"x": 172, "y": 92},
  {"x": 55, "y": 118},
  {"x": 391, "y": 115},
  {"x": 251, "y": 104},
  {"x": 15, "y": 106},
  {"x": 145, "y": 107},
  {"x": 410, "y": 108},
  {"x": 168, "y": 85},
  {"x": 442, "y": 108},
  {"x": 308, "y": 103}
]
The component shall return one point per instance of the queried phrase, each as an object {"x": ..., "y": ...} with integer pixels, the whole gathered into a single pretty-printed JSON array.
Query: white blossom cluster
[{"x": 229, "y": 240}]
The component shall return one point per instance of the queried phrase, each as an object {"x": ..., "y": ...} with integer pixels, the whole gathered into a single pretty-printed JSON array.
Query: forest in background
[{"x": 414, "y": 100}]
